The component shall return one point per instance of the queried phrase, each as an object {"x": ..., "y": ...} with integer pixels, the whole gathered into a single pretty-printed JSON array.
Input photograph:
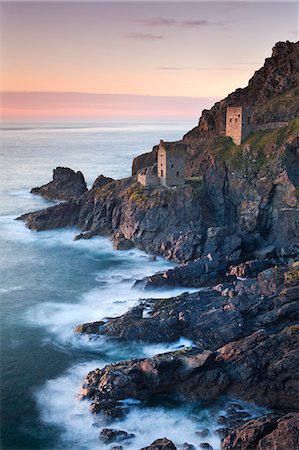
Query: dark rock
[
  {"x": 101, "y": 181},
  {"x": 66, "y": 184},
  {"x": 203, "y": 433},
  {"x": 206, "y": 446},
  {"x": 222, "y": 432},
  {"x": 110, "y": 435},
  {"x": 187, "y": 446},
  {"x": 238, "y": 415},
  {"x": 117, "y": 447},
  {"x": 251, "y": 268},
  {"x": 204, "y": 271},
  {"x": 122, "y": 243},
  {"x": 161, "y": 444},
  {"x": 241, "y": 368},
  {"x": 89, "y": 328},
  {"x": 268, "y": 432}
]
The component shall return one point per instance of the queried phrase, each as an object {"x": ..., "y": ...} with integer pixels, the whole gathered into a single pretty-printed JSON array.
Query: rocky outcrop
[
  {"x": 66, "y": 185},
  {"x": 214, "y": 317},
  {"x": 278, "y": 75},
  {"x": 166, "y": 222},
  {"x": 260, "y": 368},
  {"x": 268, "y": 432},
  {"x": 241, "y": 202},
  {"x": 109, "y": 435},
  {"x": 101, "y": 181},
  {"x": 161, "y": 444}
]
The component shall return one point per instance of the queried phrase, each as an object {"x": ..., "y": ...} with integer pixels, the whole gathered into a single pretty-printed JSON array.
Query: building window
[
  {"x": 161, "y": 164},
  {"x": 239, "y": 115},
  {"x": 172, "y": 165},
  {"x": 161, "y": 173},
  {"x": 248, "y": 120},
  {"x": 236, "y": 119},
  {"x": 230, "y": 119},
  {"x": 177, "y": 174}
]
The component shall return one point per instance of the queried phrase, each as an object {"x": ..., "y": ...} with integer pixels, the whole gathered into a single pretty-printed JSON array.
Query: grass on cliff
[
  {"x": 282, "y": 107},
  {"x": 263, "y": 144}
]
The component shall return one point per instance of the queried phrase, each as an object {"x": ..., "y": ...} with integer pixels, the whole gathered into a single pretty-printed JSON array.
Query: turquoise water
[{"x": 50, "y": 283}]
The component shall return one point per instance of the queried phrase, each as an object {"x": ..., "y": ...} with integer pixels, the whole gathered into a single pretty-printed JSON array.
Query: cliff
[{"x": 246, "y": 195}]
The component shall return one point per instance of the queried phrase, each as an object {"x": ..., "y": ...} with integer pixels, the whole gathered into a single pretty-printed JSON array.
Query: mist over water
[{"x": 50, "y": 283}]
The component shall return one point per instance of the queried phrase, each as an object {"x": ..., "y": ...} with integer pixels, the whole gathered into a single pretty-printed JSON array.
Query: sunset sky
[{"x": 167, "y": 50}]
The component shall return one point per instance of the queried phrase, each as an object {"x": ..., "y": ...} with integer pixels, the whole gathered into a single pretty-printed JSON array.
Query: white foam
[
  {"x": 58, "y": 405},
  {"x": 80, "y": 429}
]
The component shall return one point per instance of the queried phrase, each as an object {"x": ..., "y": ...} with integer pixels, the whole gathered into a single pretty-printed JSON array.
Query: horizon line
[{"x": 103, "y": 93}]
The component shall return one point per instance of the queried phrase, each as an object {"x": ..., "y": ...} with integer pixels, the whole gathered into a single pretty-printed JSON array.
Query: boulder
[
  {"x": 109, "y": 435},
  {"x": 160, "y": 444}
]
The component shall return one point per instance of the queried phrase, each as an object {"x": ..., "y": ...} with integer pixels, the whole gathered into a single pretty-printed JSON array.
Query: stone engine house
[
  {"x": 170, "y": 167},
  {"x": 171, "y": 163},
  {"x": 238, "y": 123}
]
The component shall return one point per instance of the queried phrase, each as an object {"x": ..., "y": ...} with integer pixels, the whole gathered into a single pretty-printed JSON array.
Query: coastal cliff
[
  {"x": 234, "y": 229},
  {"x": 251, "y": 190}
]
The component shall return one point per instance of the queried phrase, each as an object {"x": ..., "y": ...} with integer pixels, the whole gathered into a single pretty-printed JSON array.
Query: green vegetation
[
  {"x": 196, "y": 183},
  {"x": 283, "y": 107},
  {"x": 261, "y": 139},
  {"x": 259, "y": 142},
  {"x": 137, "y": 194}
]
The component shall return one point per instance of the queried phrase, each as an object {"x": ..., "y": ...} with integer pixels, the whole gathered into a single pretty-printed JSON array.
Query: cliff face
[
  {"x": 271, "y": 93},
  {"x": 246, "y": 193},
  {"x": 279, "y": 74}
]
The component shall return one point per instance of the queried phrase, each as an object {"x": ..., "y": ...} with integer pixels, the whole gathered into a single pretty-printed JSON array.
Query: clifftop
[{"x": 279, "y": 74}]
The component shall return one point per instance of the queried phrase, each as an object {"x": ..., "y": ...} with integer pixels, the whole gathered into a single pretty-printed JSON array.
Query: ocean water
[{"x": 50, "y": 283}]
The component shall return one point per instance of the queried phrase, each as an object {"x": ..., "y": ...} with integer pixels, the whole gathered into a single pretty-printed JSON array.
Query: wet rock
[
  {"x": 122, "y": 243},
  {"x": 201, "y": 272},
  {"x": 206, "y": 446},
  {"x": 89, "y": 328},
  {"x": 203, "y": 433},
  {"x": 235, "y": 415},
  {"x": 110, "y": 409},
  {"x": 267, "y": 432},
  {"x": 187, "y": 446},
  {"x": 111, "y": 435},
  {"x": 222, "y": 432},
  {"x": 117, "y": 447},
  {"x": 66, "y": 184},
  {"x": 161, "y": 444},
  {"x": 243, "y": 367}
]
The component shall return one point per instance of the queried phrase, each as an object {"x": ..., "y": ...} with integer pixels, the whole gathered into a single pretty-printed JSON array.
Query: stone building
[
  {"x": 171, "y": 163},
  {"x": 148, "y": 177},
  {"x": 238, "y": 123}
]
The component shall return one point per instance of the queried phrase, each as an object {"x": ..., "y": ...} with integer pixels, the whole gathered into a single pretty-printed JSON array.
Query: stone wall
[
  {"x": 171, "y": 164},
  {"x": 238, "y": 123},
  {"x": 148, "y": 180}
]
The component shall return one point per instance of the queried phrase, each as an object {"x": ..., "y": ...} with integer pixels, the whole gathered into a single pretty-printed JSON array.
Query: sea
[{"x": 51, "y": 283}]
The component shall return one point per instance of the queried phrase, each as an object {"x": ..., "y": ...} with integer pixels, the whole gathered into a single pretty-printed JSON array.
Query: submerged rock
[{"x": 109, "y": 435}]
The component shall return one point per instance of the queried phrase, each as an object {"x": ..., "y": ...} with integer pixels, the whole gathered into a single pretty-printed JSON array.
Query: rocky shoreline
[{"x": 233, "y": 229}]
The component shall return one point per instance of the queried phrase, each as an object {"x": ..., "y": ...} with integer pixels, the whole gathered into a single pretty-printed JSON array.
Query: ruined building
[
  {"x": 170, "y": 167},
  {"x": 171, "y": 163},
  {"x": 238, "y": 123}
]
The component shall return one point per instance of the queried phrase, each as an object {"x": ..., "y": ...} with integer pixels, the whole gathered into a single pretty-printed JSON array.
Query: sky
[{"x": 74, "y": 58}]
